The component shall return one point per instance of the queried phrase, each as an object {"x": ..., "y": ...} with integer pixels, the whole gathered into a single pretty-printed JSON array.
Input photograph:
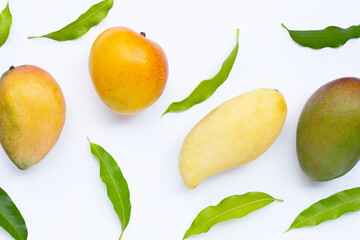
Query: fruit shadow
[
  {"x": 308, "y": 182},
  {"x": 117, "y": 117}
]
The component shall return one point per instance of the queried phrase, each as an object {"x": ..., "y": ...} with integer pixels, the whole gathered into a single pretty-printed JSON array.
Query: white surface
[{"x": 63, "y": 198}]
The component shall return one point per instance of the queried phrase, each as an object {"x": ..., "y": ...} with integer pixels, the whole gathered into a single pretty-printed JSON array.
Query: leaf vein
[
  {"x": 232, "y": 209},
  {"x": 12, "y": 225},
  {"x": 6, "y": 18},
  {"x": 326, "y": 210},
  {"x": 65, "y": 29},
  {"x": 113, "y": 180}
]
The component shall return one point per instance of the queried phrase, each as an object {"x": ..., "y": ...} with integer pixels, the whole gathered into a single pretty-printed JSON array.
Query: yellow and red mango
[{"x": 32, "y": 114}]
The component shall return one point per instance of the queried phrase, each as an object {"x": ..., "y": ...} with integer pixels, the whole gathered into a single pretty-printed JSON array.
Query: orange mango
[{"x": 128, "y": 70}]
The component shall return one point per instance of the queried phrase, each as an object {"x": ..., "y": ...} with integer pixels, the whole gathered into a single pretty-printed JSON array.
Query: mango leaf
[
  {"x": 11, "y": 219},
  {"x": 83, "y": 24},
  {"x": 207, "y": 87},
  {"x": 117, "y": 187},
  {"x": 5, "y": 24},
  {"x": 328, "y": 209},
  {"x": 233, "y": 207},
  {"x": 332, "y": 36}
]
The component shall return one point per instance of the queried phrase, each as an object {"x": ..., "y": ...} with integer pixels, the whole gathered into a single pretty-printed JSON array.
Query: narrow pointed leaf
[
  {"x": 332, "y": 36},
  {"x": 83, "y": 24},
  {"x": 207, "y": 87},
  {"x": 233, "y": 207},
  {"x": 117, "y": 187},
  {"x": 329, "y": 208},
  {"x": 11, "y": 219},
  {"x": 5, "y": 24}
]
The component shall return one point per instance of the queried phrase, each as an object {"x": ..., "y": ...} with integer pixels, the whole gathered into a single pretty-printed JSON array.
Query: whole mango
[
  {"x": 32, "y": 114},
  {"x": 128, "y": 70},
  {"x": 328, "y": 132},
  {"x": 235, "y": 133}
]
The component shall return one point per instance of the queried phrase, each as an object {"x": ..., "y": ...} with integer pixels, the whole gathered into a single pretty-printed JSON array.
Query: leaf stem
[
  {"x": 121, "y": 235},
  {"x": 35, "y": 37},
  {"x": 283, "y": 25}
]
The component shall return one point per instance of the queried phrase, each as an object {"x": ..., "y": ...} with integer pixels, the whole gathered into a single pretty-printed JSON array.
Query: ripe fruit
[
  {"x": 235, "y": 133},
  {"x": 328, "y": 133},
  {"x": 32, "y": 114},
  {"x": 129, "y": 72}
]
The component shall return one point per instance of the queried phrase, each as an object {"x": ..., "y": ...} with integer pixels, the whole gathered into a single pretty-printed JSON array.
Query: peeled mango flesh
[
  {"x": 32, "y": 114},
  {"x": 235, "y": 133},
  {"x": 328, "y": 133}
]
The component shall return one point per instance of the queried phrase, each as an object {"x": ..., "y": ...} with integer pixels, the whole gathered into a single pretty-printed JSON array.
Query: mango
[
  {"x": 129, "y": 71},
  {"x": 235, "y": 133},
  {"x": 32, "y": 114},
  {"x": 328, "y": 132}
]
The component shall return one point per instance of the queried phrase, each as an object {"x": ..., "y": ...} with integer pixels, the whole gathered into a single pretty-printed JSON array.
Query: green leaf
[
  {"x": 5, "y": 24},
  {"x": 82, "y": 25},
  {"x": 233, "y": 207},
  {"x": 332, "y": 36},
  {"x": 207, "y": 87},
  {"x": 11, "y": 219},
  {"x": 117, "y": 187},
  {"x": 328, "y": 209}
]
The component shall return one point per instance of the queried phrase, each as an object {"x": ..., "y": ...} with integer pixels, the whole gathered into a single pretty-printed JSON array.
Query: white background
[{"x": 63, "y": 198}]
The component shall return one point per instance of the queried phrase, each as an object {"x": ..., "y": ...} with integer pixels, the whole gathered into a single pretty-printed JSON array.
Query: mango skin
[
  {"x": 129, "y": 71},
  {"x": 328, "y": 132},
  {"x": 32, "y": 114},
  {"x": 235, "y": 133}
]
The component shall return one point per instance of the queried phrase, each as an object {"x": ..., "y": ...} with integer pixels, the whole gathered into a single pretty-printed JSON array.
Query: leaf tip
[{"x": 167, "y": 111}]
